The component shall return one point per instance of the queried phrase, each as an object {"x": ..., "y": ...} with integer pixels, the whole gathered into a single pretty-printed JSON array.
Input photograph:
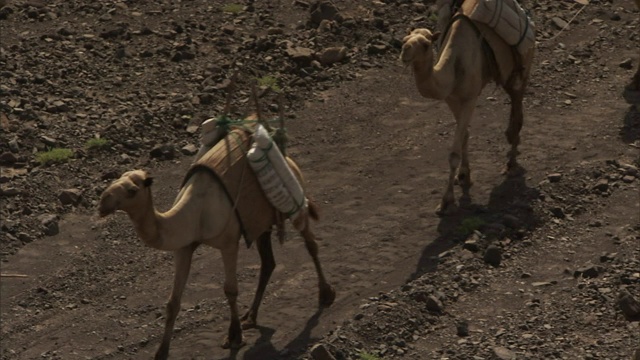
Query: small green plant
[
  {"x": 54, "y": 156},
  {"x": 269, "y": 81},
  {"x": 96, "y": 143},
  {"x": 233, "y": 8},
  {"x": 366, "y": 356},
  {"x": 469, "y": 225}
]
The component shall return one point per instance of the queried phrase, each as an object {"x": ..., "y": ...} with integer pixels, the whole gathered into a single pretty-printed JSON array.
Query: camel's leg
[
  {"x": 267, "y": 264},
  {"x": 326, "y": 292},
  {"x": 182, "y": 259},
  {"x": 463, "y": 111},
  {"x": 463, "y": 178},
  {"x": 513, "y": 131},
  {"x": 230, "y": 260}
]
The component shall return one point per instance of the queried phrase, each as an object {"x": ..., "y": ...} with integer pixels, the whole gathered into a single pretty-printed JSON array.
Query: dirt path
[
  {"x": 375, "y": 157},
  {"x": 378, "y": 171}
]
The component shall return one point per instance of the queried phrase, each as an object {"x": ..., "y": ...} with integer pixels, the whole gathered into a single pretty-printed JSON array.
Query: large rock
[
  {"x": 332, "y": 55},
  {"x": 629, "y": 306},
  {"x": 324, "y": 10},
  {"x": 301, "y": 55},
  {"x": 70, "y": 196},
  {"x": 49, "y": 224}
]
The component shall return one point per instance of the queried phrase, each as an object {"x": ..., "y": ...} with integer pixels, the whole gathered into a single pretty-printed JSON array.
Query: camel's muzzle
[{"x": 105, "y": 210}]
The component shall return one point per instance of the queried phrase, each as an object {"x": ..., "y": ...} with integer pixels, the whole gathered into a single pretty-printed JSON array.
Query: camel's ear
[
  {"x": 435, "y": 36},
  {"x": 148, "y": 181}
]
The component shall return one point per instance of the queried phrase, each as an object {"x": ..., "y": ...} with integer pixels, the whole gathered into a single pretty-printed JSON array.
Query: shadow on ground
[
  {"x": 509, "y": 214},
  {"x": 630, "y": 130},
  {"x": 264, "y": 349}
]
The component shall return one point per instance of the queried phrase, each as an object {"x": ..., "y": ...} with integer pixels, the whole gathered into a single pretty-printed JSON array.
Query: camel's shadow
[
  {"x": 630, "y": 130},
  {"x": 262, "y": 348},
  {"x": 509, "y": 213}
]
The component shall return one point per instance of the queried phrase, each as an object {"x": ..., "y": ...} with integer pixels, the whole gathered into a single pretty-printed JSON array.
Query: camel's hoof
[
  {"x": 327, "y": 296},
  {"x": 235, "y": 344},
  {"x": 446, "y": 208}
]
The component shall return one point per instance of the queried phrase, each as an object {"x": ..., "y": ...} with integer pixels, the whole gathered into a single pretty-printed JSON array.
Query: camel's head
[
  {"x": 127, "y": 193},
  {"x": 417, "y": 45}
]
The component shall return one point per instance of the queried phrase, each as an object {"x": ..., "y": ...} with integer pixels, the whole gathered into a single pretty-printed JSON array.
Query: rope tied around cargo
[{"x": 524, "y": 33}]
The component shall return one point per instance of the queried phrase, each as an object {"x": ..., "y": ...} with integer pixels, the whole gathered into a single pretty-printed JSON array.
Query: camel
[
  {"x": 471, "y": 55},
  {"x": 202, "y": 213}
]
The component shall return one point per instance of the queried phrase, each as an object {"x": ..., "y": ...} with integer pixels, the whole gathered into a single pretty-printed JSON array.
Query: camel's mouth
[{"x": 105, "y": 210}]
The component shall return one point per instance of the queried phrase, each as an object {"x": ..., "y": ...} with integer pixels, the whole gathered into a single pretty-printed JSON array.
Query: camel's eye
[{"x": 132, "y": 192}]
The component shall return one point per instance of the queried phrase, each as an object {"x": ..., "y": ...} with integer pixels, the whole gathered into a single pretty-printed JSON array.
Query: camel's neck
[
  {"x": 432, "y": 82},
  {"x": 163, "y": 231}
]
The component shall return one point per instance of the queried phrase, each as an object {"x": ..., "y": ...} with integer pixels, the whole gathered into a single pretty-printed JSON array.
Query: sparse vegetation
[
  {"x": 54, "y": 156},
  {"x": 367, "y": 356},
  {"x": 269, "y": 81},
  {"x": 233, "y": 8},
  {"x": 96, "y": 143},
  {"x": 469, "y": 225}
]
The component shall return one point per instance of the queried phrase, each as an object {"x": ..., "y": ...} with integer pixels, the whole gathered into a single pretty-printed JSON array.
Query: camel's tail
[{"x": 314, "y": 209}]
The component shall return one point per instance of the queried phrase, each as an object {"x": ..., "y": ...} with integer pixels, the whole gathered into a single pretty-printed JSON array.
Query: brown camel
[
  {"x": 471, "y": 55},
  {"x": 202, "y": 214}
]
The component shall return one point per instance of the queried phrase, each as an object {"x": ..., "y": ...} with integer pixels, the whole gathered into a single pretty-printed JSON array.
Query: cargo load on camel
[
  {"x": 258, "y": 178},
  {"x": 506, "y": 17}
]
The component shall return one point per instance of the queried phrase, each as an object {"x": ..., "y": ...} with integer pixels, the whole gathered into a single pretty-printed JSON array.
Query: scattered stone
[
  {"x": 602, "y": 185},
  {"x": 471, "y": 244},
  {"x": 462, "y": 328},
  {"x": 511, "y": 221},
  {"x": 628, "y": 179},
  {"x": 49, "y": 141},
  {"x": 626, "y": 64},
  {"x": 557, "y": 212},
  {"x": 320, "y": 352},
  {"x": 163, "y": 152},
  {"x": 7, "y": 158},
  {"x": 9, "y": 191},
  {"x": 559, "y": 23},
  {"x": 189, "y": 150},
  {"x": 595, "y": 223},
  {"x": 324, "y": 10},
  {"x": 70, "y": 196},
  {"x": 434, "y": 304},
  {"x": 49, "y": 224},
  {"x": 629, "y": 305},
  {"x": 332, "y": 55},
  {"x": 301, "y": 55},
  {"x": 606, "y": 257},
  {"x": 554, "y": 178},
  {"x": 493, "y": 255},
  {"x": 503, "y": 353},
  {"x": 588, "y": 272}
]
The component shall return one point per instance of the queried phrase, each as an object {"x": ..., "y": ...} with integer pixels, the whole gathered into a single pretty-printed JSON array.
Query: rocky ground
[{"x": 539, "y": 267}]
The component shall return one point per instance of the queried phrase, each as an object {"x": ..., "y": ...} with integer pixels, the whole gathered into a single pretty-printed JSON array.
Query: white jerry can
[
  {"x": 266, "y": 160},
  {"x": 264, "y": 142},
  {"x": 270, "y": 182}
]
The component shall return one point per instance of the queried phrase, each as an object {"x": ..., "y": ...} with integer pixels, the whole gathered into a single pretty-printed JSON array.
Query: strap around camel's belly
[{"x": 227, "y": 163}]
